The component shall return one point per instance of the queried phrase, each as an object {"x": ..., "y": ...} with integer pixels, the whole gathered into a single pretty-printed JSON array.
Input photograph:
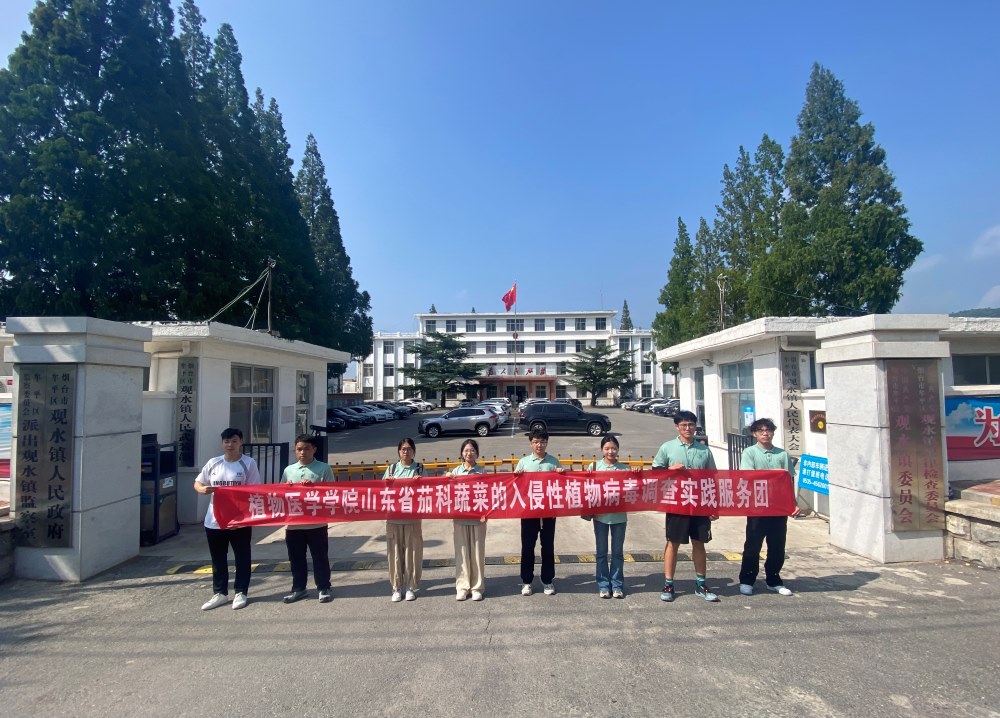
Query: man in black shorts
[{"x": 686, "y": 453}]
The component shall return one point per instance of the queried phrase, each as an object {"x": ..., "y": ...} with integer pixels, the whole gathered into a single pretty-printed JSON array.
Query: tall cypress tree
[
  {"x": 673, "y": 325},
  {"x": 348, "y": 303},
  {"x": 625, "y": 324},
  {"x": 845, "y": 235}
]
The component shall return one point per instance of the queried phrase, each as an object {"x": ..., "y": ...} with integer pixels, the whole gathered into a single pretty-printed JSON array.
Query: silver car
[{"x": 467, "y": 418}]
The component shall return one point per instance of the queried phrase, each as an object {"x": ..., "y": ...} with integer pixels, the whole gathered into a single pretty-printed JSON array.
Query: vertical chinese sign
[
  {"x": 46, "y": 399},
  {"x": 791, "y": 402},
  {"x": 187, "y": 390},
  {"x": 916, "y": 455}
]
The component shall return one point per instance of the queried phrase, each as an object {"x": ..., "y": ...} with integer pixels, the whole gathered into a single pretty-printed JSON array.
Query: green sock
[
  {"x": 700, "y": 580},
  {"x": 668, "y": 583}
]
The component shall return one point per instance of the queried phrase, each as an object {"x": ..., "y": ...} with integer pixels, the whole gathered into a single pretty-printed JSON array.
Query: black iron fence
[
  {"x": 735, "y": 444},
  {"x": 271, "y": 460}
]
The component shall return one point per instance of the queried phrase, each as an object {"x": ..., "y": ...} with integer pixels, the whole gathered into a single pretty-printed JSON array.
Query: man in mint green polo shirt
[
  {"x": 764, "y": 455},
  {"x": 299, "y": 537},
  {"x": 686, "y": 453},
  {"x": 538, "y": 460}
]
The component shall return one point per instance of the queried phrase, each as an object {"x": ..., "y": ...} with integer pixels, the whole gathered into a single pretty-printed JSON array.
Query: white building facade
[{"x": 519, "y": 356}]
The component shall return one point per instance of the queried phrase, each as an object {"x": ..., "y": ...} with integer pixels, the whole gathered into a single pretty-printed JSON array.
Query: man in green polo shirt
[
  {"x": 686, "y": 453},
  {"x": 762, "y": 456},
  {"x": 531, "y": 529}
]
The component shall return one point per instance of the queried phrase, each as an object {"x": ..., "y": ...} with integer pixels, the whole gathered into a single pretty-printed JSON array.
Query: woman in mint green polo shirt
[{"x": 610, "y": 582}]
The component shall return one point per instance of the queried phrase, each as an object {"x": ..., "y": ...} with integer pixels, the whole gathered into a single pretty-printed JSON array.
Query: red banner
[{"x": 505, "y": 496}]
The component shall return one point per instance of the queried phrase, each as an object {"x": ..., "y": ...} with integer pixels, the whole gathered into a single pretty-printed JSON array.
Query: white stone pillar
[
  {"x": 856, "y": 354},
  {"x": 106, "y": 395}
]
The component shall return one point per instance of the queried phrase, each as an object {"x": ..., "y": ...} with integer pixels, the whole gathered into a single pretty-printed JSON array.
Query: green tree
[
  {"x": 348, "y": 304},
  {"x": 845, "y": 240},
  {"x": 625, "y": 324},
  {"x": 600, "y": 368},
  {"x": 673, "y": 325},
  {"x": 99, "y": 163},
  {"x": 709, "y": 262},
  {"x": 441, "y": 366}
]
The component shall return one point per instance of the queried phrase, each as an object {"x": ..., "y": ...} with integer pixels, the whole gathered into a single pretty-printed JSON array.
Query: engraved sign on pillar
[
  {"x": 43, "y": 461},
  {"x": 916, "y": 455},
  {"x": 187, "y": 395},
  {"x": 791, "y": 402}
]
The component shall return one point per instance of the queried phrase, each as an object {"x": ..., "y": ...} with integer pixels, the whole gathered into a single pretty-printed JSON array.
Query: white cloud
[
  {"x": 988, "y": 243},
  {"x": 991, "y": 298},
  {"x": 926, "y": 262},
  {"x": 959, "y": 421}
]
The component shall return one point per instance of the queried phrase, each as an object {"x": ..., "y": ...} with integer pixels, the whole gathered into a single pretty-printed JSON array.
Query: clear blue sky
[{"x": 473, "y": 144}]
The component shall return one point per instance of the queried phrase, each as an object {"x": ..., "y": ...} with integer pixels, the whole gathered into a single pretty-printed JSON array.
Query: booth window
[
  {"x": 737, "y": 396},
  {"x": 975, "y": 369},
  {"x": 251, "y": 402},
  {"x": 699, "y": 395},
  {"x": 303, "y": 401}
]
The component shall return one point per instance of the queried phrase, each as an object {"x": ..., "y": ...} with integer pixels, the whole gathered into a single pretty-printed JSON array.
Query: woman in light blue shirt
[{"x": 610, "y": 582}]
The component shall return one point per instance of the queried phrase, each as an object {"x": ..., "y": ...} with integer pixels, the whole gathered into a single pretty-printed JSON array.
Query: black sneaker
[
  {"x": 296, "y": 596},
  {"x": 667, "y": 594}
]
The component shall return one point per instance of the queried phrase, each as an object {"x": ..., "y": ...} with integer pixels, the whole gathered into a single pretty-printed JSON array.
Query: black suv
[{"x": 558, "y": 417}]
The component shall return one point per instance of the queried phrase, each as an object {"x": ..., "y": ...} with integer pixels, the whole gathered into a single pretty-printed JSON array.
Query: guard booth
[{"x": 158, "y": 517}]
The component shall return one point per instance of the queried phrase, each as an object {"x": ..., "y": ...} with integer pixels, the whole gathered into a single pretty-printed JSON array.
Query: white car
[
  {"x": 379, "y": 414},
  {"x": 418, "y": 404},
  {"x": 503, "y": 413}
]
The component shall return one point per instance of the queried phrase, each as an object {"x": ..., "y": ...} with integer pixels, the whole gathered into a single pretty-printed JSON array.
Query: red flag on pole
[{"x": 510, "y": 298}]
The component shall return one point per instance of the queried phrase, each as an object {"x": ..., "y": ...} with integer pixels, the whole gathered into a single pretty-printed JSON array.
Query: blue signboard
[{"x": 813, "y": 473}]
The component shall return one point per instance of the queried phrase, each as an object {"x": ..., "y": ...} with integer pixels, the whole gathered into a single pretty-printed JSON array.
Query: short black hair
[
  {"x": 538, "y": 434},
  {"x": 231, "y": 432},
  {"x": 685, "y": 416},
  {"x": 762, "y": 424},
  {"x": 612, "y": 438},
  {"x": 307, "y": 439}
]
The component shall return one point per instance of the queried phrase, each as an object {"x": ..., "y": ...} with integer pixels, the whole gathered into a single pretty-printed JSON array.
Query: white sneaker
[
  {"x": 746, "y": 589},
  {"x": 397, "y": 596},
  {"x": 526, "y": 590},
  {"x": 477, "y": 595},
  {"x": 780, "y": 590},
  {"x": 214, "y": 602},
  {"x": 461, "y": 595},
  {"x": 549, "y": 589},
  {"x": 240, "y": 601},
  {"x": 411, "y": 596}
]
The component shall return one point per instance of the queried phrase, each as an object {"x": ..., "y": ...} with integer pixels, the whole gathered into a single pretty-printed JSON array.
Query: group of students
[{"x": 404, "y": 537}]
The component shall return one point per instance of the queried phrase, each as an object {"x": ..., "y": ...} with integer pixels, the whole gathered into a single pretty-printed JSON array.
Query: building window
[
  {"x": 699, "y": 395},
  {"x": 515, "y": 325},
  {"x": 975, "y": 369},
  {"x": 560, "y": 346},
  {"x": 581, "y": 344},
  {"x": 491, "y": 347},
  {"x": 388, "y": 370},
  {"x": 561, "y": 391},
  {"x": 408, "y": 345},
  {"x": 541, "y": 391},
  {"x": 430, "y": 325},
  {"x": 737, "y": 396},
  {"x": 601, "y": 343},
  {"x": 470, "y": 325},
  {"x": 646, "y": 343},
  {"x": 647, "y": 367},
  {"x": 303, "y": 401},
  {"x": 491, "y": 325},
  {"x": 539, "y": 347},
  {"x": 470, "y": 347},
  {"x": 388, "y": 347},
  {"x": 450, "y": 326},
  {"x": 560, "y": 325},
  {"x": 515, "y": 347},
  {"x": 368, "y": 370},
  {"x": 580, "y": 324},
  {"x": 601, "y": 324},
  {"x": 539, "y": 325},
  {"x": 369, "y": 393},
  {"x": 251, "y": 402},
  {"x": 624, "y": 345},
  {"x": 561, "y": 368},
  {"x": 647, "y": 391}
]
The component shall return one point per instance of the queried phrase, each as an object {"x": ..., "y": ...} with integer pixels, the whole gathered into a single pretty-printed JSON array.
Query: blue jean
[{"x": 615, "y": 577}]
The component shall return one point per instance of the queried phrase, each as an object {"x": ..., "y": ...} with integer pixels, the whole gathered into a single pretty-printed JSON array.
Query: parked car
[
  {"x": 417, "y": 404},
  {"x": 350, "y": 419},
  {"x": 332, "y": 424},
  {"x": 643, "y": 404},
  {"x": 667, "y": 408},
  {"x": 575, "y": 402},
  {"x": 499, "y": 409},
  {"x": 559, "y": 417},
  {"x": 400, "y": 411},
  {"x": 379, "y": 414},
  {"x": 466, "y": 418}
]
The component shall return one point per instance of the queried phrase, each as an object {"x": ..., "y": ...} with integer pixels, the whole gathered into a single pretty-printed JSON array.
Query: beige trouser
[
  {"x": 470, "y": 557},
  {"x": 405, "y": 551}
]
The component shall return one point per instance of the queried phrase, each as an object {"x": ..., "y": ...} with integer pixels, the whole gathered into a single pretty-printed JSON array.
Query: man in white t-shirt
[{"x": 233, "y": 468}]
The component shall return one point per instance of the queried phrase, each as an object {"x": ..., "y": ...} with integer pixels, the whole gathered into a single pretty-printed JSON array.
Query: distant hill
[{"x": 988, "y": 312}]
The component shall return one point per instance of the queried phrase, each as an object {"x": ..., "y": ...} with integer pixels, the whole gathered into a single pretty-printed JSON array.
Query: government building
[{"x": 518, "y": 356}]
